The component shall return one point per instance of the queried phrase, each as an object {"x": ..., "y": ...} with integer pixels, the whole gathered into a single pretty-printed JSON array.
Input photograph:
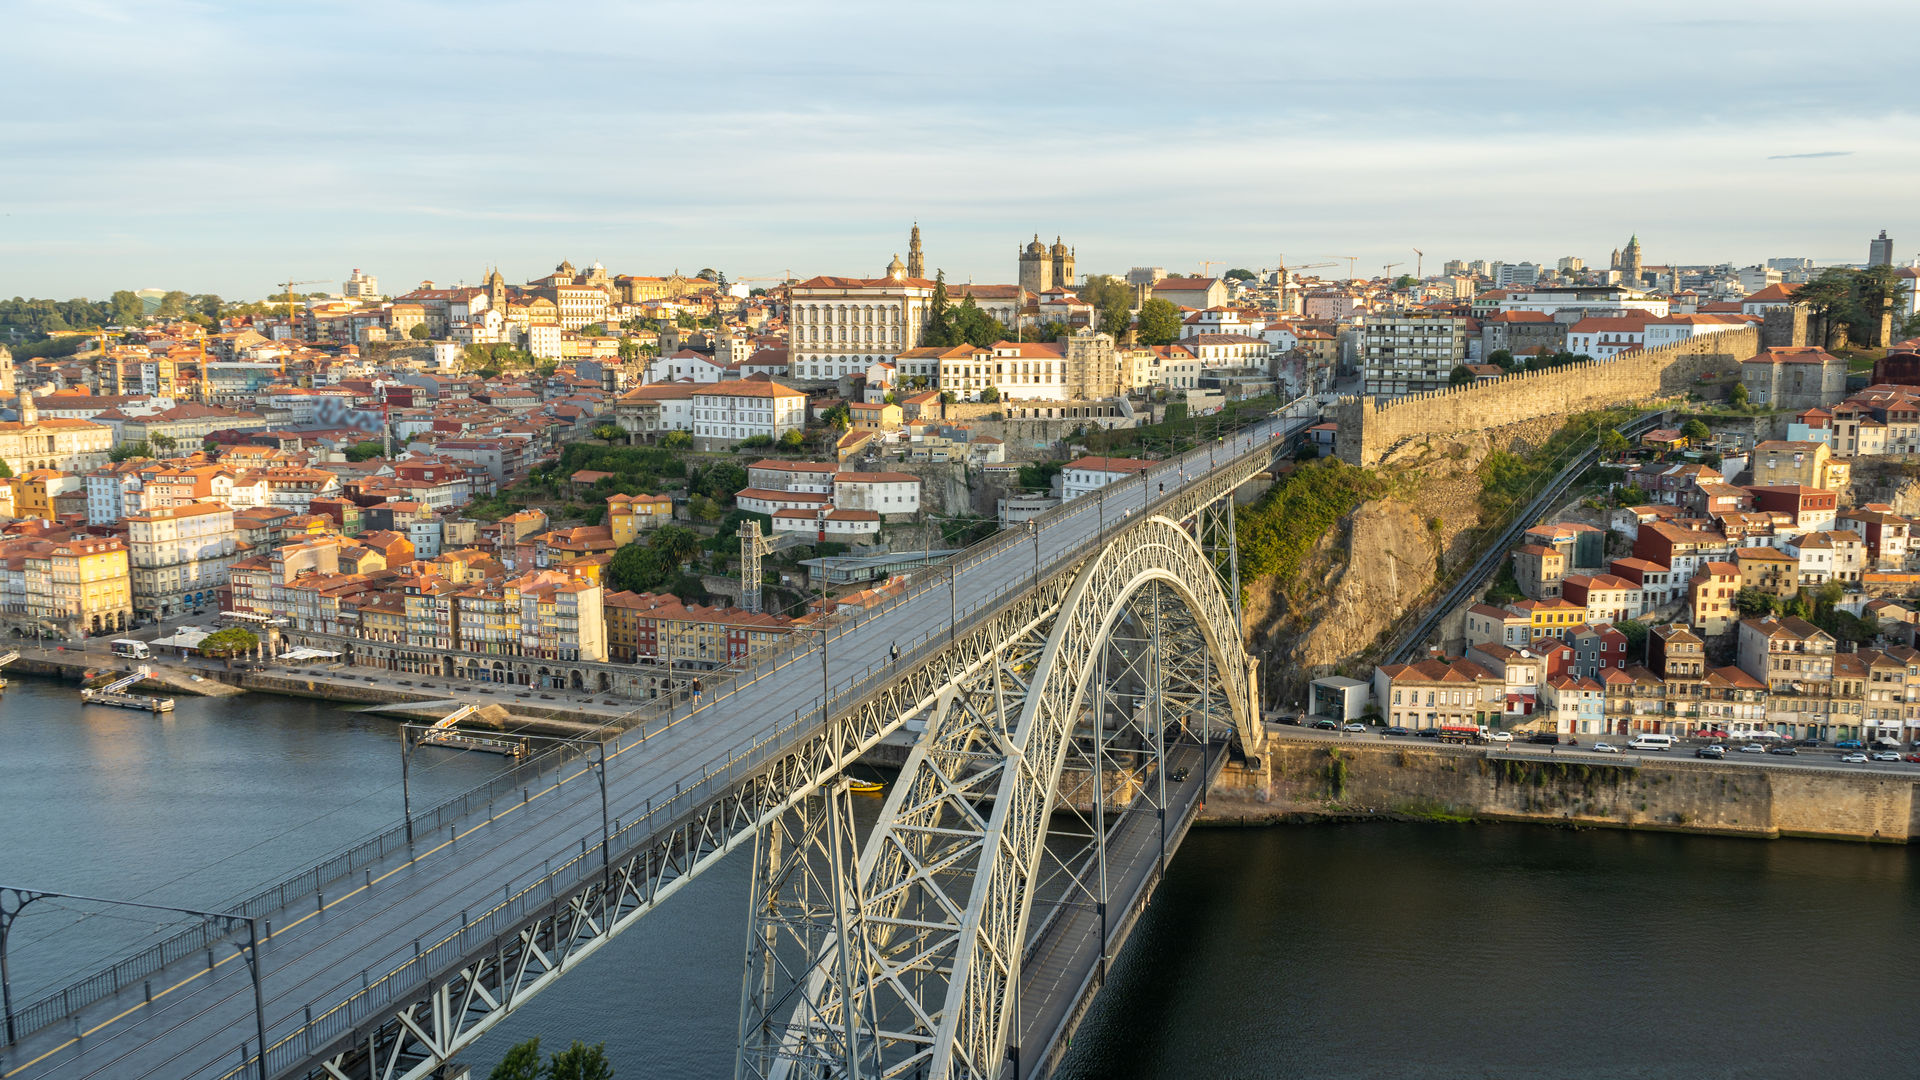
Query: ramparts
[{"x": 1370, "y": 427}]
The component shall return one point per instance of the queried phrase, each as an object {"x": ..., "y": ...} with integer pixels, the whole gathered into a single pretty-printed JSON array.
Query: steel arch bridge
[
  {"x": 907, "y": 962},
  {"x": 1065, "y": 722}
]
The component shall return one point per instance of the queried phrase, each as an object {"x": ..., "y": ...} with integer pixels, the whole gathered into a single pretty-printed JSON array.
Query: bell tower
[{"x": 916, "y": 258}]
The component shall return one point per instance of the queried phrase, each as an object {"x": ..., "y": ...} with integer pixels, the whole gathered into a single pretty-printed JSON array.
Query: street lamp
[{"x": 14, "y": 900}]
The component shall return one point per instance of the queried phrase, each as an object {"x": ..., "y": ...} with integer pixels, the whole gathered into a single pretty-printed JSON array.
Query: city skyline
[{"x": 268, "y": 144}]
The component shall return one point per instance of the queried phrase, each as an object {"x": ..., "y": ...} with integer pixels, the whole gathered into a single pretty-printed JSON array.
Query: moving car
[
  {"x": 1500, "y": 736},
  {"x": 1753, "y": 748},
  {"x": 1914, "y": 757},
  {"x": 1605, "y": 748},
  {"x": 1325, "y": 725},
  {"x": 1354, "y": 725},
  {"x": 1856, "y": 758},
  {"x": 1885, "y": 755},
  {"x": 1544, "y": 739},
  {"x": 1782, "y": 751},
  {"x": 1849, "y": 744},
  {"x": 1427, "y": 733},
  {"x": 1714, "y": 751},
  {"x": 1395, "y": 730}
]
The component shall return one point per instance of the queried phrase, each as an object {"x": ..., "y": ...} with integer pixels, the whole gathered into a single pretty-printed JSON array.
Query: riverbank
[{"x": 1337, "y": 780}]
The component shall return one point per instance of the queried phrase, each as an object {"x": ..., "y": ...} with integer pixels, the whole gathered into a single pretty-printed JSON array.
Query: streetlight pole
[{"x": 14, "y": 900}]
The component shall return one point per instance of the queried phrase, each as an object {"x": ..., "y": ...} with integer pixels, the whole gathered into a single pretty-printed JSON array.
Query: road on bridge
[{"x": 199, "y": 1020}]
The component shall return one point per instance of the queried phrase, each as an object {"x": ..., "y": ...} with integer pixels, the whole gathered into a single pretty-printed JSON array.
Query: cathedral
[
  {"x": 1628, "y": 262},
  {"x": 1042, "y": 268}
]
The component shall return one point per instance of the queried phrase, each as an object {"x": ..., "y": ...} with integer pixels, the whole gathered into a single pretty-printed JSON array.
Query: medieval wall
[{"x": 1369, "y": 427}]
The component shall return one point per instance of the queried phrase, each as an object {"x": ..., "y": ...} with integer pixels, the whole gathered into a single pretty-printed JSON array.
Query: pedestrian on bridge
[
  {"x": 696, "y": 691},
  {"x": 893, "y": 653}
]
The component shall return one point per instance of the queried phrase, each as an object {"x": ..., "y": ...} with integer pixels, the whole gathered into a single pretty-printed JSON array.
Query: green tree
[
  {"x": 1116, "y": 316},
  {"x": 609, "y": 433},
  {"x": 1502, "y": 357},
  {"x": 1459, "y": 376},
  {"x": 163, "y": 443},
  {"x": 1159, "y": 322},
  {"x": 1238, "y": 274},
  {"x": 1753, "y": 603},
  {"x": 839, "y": 417},
  {"x": 674, "y": 543},
  {"x": 581, "y": 1062},
  {"x": 719, "y": 482},
  {"x": 366, "y": 450},
  {"x": 635, "y": 567},
  {"x": 793, "y": 440},
  {"x": 420, "y": 332},
  {"x": 676, "y": 440},
  {"x": 229, "y": 643},
  {"x": 126, "y": 309},
  {"x": 1696, "y": 432},
  {"x": 1405, "y": 282},
  {"x": 522, "y": 1062},
  {"x": 129, "y": 450},
  {"x": 6, "y": 470},
  {"x": 592, "y": 330},
  {"x": 629, "y": 350},
  {"x": 990, "y": 395},
  {"x": 1737, "y": 397},
  {"x": 1613, "y": 444},
  {"x": 947, "y": 397},
  {"x": 939, "y": 328},
  {"x": 1827, "y": 298},
  {"x": 173, "y": 305},
  {"x": 971, "y": 326}
]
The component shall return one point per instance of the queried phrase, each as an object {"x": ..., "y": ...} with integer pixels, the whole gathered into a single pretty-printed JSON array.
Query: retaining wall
[{"x": 1369, "y": 426}]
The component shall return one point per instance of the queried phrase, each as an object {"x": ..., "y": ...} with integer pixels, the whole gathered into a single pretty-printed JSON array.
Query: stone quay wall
[
  {"x": 1345, "y": 778},
  {"x": 1370, "y": 426}
]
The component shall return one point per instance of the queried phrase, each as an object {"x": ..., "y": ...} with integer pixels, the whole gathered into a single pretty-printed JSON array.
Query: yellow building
[
  {"x": 1808, "y": 464},
  {"x": 68, "y": 586},
  {"x": 630, "y": 515}
]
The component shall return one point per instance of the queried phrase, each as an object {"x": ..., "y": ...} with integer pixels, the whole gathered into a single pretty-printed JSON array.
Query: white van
[{"x": 1651, "y": 742}]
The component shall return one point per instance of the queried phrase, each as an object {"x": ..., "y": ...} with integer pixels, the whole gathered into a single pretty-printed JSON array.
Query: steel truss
[
  {"x": 911, "y": 961},
  {"x": 385, "y": 1032}
]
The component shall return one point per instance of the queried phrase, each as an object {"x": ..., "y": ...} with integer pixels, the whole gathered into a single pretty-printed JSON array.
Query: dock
[
  {"x": 114, "y": 693},
  {"x": 444, "y": 733}
]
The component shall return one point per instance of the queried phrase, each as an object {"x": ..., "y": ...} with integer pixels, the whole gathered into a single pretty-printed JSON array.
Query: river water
[{"x": 1313, "y": 951}]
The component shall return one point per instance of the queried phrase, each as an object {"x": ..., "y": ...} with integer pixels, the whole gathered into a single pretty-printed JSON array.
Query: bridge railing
[{"x": 735, "y": 762}]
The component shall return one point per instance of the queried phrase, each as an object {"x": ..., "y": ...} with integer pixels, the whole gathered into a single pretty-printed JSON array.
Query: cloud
[{"x": 1821, "y": 153}]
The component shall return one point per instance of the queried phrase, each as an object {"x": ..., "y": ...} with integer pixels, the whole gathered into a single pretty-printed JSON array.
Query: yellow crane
[
  {"x": 1387, "y": 270},
  {"x": 288, "y": 286},
  {"x": 1284, "y": 273}
]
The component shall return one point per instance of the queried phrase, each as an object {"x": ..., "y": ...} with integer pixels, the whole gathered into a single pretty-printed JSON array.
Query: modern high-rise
[
  {"x": 1880, "y": 251},
  {"x": 361, "y": 286},
  {"x": 1410, "y": 354}
]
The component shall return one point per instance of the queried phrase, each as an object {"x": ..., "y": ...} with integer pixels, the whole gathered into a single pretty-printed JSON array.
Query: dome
[
  {"x": 1058, "y": 247},
  {"x": 1036, "y": 248}
]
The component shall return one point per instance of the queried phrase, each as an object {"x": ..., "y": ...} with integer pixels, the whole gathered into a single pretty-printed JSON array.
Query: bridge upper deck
[{"x": 368, "y": 939}]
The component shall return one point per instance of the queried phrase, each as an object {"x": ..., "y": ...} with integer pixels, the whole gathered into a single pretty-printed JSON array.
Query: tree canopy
[
  {"x": 1695, "y": 431},
  {"x": 1159, "y": 322},
  {"x": 368, "y": 449},
  {"x": 1238, "y": 274},
  {"x": 233, "y": 641}
]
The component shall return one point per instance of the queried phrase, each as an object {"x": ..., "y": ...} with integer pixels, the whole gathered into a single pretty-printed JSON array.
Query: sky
[{"x": 222, "y": 147}]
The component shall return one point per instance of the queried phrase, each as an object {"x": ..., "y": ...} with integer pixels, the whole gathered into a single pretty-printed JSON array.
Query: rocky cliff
[{"x": 1378, "y": 563}]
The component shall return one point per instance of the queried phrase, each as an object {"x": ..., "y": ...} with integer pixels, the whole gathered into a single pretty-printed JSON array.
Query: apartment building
[
  {"x": 731, "y": 412},
  {"x": 1411, "y": 354},
  {"x": 179, "y": 557}
]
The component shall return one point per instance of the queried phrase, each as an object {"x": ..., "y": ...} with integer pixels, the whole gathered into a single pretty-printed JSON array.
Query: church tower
[
  {"x": 896, "y": 269},
  {"x": 1036, "y": 268},
  {"x": 1630, "y": 260},
  {"x": 496, "y": 290},
  {"x": 916, "y": 259},
  {"x": 6, "y": 371},
  {"x": 1062, "y": 264},
  {"x": 29, "y": 412}
]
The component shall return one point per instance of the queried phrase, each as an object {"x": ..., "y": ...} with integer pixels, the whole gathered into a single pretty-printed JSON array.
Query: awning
[{"x": 305, "y": 653}]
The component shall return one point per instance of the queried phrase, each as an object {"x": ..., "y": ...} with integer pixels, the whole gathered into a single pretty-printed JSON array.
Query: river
[{"x": 1369, "y": 950}]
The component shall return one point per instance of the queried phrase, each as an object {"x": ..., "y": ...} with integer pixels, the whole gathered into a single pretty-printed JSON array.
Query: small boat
[{"x": 866, "y": 787}]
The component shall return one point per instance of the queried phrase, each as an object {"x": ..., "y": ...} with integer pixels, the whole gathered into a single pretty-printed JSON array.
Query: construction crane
[
  {"x": 1419, "y": 260},
  {"x": 1351, "y": 259},
  {"x": 288, "y": 285},
  {"x": 752, "y": 547},
  {"x": 1283, "y": 272},
  {"x": 1387, "y": 270}
]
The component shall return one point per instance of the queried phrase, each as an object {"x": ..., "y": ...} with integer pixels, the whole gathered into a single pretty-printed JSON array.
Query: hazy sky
[{"x": 220, "y": 147}]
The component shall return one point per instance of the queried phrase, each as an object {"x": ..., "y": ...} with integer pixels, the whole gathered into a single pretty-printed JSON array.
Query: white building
[
  {"x": 655, "y": 408},
  {"x": 839, "y": 326},
  {"x": 883, "y": 493},
  {"x": 1411, "y": 354},
  {"x": 686, "y": 365},
  {"x": 178, "y": 557},
  {"x": 1086, "y": 475},
  {"x": 730, "y": 412}
]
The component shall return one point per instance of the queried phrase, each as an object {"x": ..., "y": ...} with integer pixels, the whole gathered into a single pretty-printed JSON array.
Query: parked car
[
  {"x": 1325, "y": 725},
  {"x": 1714, "y": 751},
  {"x": 1753, "y": 748},
  {"x": 1500, "y": 736},
  {"x": 1605, "y": 748},
  {"x": 1354, "y": 726},
  {"x": 1885, "y": 755},
  {"x": 1849, "y": 744},
  {"x": 1914, "y": 757},
  {"x": 1395, "y": 730},
  {"x": 1427, "y": 733},
  {"x": 1856, "y": 758},
  {"x": 1782, "y": 751}
]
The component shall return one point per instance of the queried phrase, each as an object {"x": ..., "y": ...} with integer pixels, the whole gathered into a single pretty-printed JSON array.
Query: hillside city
[{"x": 600, "y": 483}]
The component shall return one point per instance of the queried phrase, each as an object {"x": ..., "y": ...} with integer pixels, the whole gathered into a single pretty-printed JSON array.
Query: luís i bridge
[{"x": 1070, "y": 689}]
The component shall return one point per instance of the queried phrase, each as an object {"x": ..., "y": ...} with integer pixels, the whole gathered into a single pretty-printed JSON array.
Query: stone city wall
[{"x": 1370, "y": 427}]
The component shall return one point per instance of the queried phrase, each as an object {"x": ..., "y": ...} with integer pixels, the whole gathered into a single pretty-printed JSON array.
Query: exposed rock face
[{"x": 1378, "y": 565}]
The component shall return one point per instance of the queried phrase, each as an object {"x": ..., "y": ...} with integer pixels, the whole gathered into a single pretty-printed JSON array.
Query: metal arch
[{"x": 945, "y": 884}]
